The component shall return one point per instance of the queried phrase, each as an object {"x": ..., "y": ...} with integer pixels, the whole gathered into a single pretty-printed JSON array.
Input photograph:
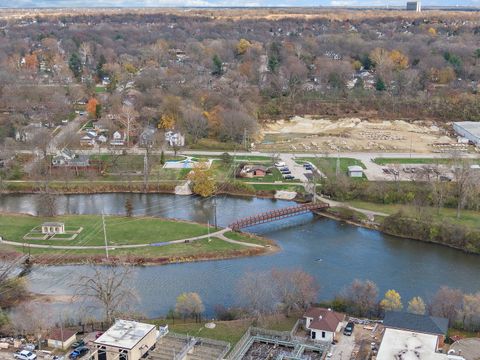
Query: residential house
[
  {"x": 125, "y": 340},
  {"x": 147, "y": 137},
  {"x": 59, "y": 338},
  {"x": 89, "y": 138},
  {"x": 66, "y": 157},
  {"x": 323, "y": 324},
  {"x": 118, "y": 138},
  {"x": 250, "y": 171}
]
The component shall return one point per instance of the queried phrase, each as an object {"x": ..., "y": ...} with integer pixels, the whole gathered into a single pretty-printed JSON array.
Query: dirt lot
[{"x": 352, "y": 134}]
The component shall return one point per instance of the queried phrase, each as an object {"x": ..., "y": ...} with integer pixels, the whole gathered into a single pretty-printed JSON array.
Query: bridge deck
[{"x": 276, "y": 214}]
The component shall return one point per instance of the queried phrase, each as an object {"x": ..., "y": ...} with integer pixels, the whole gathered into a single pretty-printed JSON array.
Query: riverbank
[{"x": 133, "y": 240}]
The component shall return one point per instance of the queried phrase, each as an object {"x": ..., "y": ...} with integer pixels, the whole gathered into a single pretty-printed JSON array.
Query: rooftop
[
  {"x": 53, "y": 224},
  {"x": 125, "y": 334},
  {"x": 355, "y": 168},
  {"x": 414, "y": 322},
  {"x": 406, "y": 345},
  {"x": 472, "y": 127},
  {"x": 324, "y": 319},
  {"x": 60, "y": 334}
]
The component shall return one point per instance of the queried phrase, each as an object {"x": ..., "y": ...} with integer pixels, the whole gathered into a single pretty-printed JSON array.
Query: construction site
[{"x": 311, "y": 134}]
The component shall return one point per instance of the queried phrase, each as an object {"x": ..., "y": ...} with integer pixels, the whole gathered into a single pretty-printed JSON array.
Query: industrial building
[
  {"x": 414, "y": 6},
  {"x": 469, "y": 130},
  {"x": 125, "y": 340}
]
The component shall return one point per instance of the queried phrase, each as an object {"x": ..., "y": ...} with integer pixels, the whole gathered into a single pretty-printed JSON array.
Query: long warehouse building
[{"x": 469, "y": 130}]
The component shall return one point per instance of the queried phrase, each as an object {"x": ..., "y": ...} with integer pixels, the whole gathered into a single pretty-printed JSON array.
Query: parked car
[
  {"x": 25, "y": 355},
  {"x": 78, "y": 352},
  {"x": 29, "y": 347},
  {"x": 284, "y": 169},
  {"x": 77, "y": 344},
  {"x": 287, "y": 172},
  {"x": 289, "y": 177},
  {"x": 279, "y": 164},
  {"x": 349, "y": 329}
]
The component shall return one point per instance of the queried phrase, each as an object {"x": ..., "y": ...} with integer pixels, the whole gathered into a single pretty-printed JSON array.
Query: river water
[{"x": 333, "y": 252}]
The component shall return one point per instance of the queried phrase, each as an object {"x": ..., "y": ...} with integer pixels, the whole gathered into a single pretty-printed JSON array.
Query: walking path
[
  {"x": 218, "y": 234},
  {"x": 369, "y": 213}
]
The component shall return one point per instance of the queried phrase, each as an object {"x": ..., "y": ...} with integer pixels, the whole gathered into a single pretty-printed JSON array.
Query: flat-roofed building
[
  {"x": 125, "y": 340},
  {"x": 469, "y": 130}
]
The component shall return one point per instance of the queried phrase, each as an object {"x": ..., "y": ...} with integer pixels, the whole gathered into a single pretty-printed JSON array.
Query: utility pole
[
  {"x": 245, "y": 138},
  {"x": 215, "y": 211},
  {"x": 105, "y": 234}
]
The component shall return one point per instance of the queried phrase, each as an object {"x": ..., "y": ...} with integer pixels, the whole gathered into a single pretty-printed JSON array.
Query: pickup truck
[{"x": 25, "y": 355}]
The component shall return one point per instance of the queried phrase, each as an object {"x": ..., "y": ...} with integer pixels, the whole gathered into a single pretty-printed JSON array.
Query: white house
[
  {"x": 355, "y": 171},
  {"x": 125, "y": 340},
  {"x": 323, "y": 323},
  {"x": 118, "y": 138}
]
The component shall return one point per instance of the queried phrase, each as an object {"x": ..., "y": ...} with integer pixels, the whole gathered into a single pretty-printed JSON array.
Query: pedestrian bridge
[{"x": 276, "y": 214}]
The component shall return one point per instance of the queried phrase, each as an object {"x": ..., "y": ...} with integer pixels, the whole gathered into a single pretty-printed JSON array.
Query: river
[{"x": 333, "y": 252}]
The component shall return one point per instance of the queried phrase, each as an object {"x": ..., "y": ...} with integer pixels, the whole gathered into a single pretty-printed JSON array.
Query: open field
[
  {"x": 426, "y": 161},
  {"x": 120, "y": 230}
]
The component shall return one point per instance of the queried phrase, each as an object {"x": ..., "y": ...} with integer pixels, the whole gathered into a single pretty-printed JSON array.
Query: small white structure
[
  {"x": 355, "y": 171},
  {"x": 323, "y": 323},
  {"x": 174, "y": 139},
  {"x": 125, "y": 340},
  {"x": 404, "y": 344},
  {"x": 51, "y": 228}
]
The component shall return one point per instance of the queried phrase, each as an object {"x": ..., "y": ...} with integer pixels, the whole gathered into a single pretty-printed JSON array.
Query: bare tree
[
  {"x": 109, "y": 288},
  {"x": 295, "y": 289},
  {"x": 463, "y": 184},
  {"x": 470, "y": 312},
  {"x": 257, "y": 293},
  {"x": 447, "y": 303},
  {"x": 361, "y": 296}
]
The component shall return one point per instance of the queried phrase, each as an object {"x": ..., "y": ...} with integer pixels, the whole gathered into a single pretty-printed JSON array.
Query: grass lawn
[
  {"x": 120, "y": 230},
  {"x": 467, "y": 217},
  {"x": 270, "y": 187},
  {"x": 100, "y": 89},
  {"x": 329, "y": 165},
  {"x": 230, "y": 331},
  {"x": 275, "y": 175},
  {"x": 385, "y": 161},
  {"x": 214, "y": 248},
  {"x": 245, "y": 237}
]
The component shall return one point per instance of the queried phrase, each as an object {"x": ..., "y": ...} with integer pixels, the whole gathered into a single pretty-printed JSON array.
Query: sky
[{"x": 187, "y": 3}]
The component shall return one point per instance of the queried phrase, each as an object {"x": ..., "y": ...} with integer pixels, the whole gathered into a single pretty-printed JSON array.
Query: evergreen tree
[
  {"x": 217, "y": 66},
  {"x": 75, "y": 64},
  {"x": 380, "y": 85}
]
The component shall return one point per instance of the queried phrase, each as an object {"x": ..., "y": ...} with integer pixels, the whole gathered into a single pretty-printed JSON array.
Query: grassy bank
[{"x": 125, "y": 231}]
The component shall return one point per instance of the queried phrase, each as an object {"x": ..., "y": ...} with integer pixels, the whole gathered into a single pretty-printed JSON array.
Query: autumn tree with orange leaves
[{"x": 92, "y": 106}]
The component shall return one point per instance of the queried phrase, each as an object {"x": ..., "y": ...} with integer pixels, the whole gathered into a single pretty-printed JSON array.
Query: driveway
[{"x": 344, "y": 348}]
